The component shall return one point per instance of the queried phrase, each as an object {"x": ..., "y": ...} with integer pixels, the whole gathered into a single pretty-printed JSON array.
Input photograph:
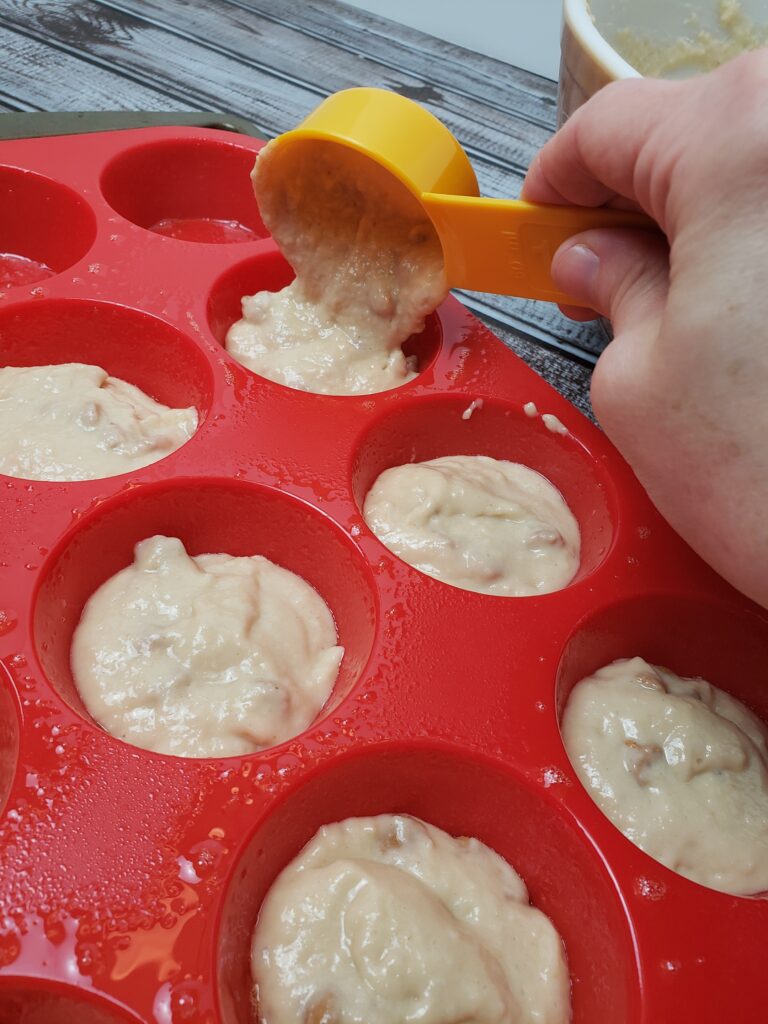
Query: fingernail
[{"x": 574, "y": 269}]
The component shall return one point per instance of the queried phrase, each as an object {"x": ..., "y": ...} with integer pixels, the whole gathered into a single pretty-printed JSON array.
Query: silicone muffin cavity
[
  {"x": 42, "y": 221},
  {"x": 10, "y": 728},
  {"x": 49, "y": 1003},
  {"x": 270, "y": 272},
  {"x": 209, "y": 517},
  {"x": 184, "y": 180},
  {"x": 693, "y": 636},
  {"x": 430, "y": 427},
  {"x": 689, "y": 634},
  {"x": 465, "y": 796},
  {"x": 134, "y": 346},
  {"x": 267, "y": 272}
]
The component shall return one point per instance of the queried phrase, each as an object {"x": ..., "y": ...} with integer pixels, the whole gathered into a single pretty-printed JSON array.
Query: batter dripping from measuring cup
[{"x": 369, "y": 269}]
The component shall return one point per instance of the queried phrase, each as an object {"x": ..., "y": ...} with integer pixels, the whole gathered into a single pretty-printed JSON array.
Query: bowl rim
[{"x": 578, "y": 18}]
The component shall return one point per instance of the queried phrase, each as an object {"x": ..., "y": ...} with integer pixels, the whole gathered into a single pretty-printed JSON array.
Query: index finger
[{"x": 594, "y": 158}]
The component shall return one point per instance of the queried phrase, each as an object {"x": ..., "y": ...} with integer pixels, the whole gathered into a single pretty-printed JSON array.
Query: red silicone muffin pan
[{"x": 130, "y": 881}]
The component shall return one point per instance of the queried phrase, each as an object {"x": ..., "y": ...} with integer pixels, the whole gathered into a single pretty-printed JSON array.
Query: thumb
[{"x": 623, "y": 275}]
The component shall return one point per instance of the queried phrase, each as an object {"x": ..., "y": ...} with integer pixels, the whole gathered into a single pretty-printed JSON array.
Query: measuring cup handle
[{"x": 506, "y": 246}]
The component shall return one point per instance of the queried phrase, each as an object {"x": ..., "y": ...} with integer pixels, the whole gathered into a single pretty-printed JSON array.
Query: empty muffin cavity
[
  {"x": 563, "y": 523},
  {"x": 207, "y": 517},
  {"x": 193, "y": 190},
  {"x": 46, "y": 227},
  {"x": 464, "y": 797}
]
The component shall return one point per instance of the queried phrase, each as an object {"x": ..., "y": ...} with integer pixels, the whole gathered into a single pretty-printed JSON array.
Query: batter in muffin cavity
[
  {"x": 479, "y": 523},
  {"x": 72, "y": 421},
  {"x": 205, "y": 656},
  {"x": 369, "y": 269},
  {"x": 389, "y": 920},
  {"x": 679, "y": 766}
]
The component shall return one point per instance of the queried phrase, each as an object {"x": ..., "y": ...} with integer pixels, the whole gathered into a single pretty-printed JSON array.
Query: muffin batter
[
  {"x": 208, "y": 656},
  {"x": 73, "y": 422},
  {"x": 699, "y": 50},
  {"x": 479, "y": 523},
  {"x": 369, "y": 269},
  {"x": 679, "y": 766},
  {"x": 387, "y": 920}
]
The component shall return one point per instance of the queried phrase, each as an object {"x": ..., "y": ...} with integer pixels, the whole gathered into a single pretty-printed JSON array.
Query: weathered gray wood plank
[
  {"x": 443, "y": 64},
  {"x": 335, "y": 65},
  {"x": 13, "y": 105},
  {"x": 40, "y": 76},
  {"x": 187, "y": 72},
  {"x": 201, "y": 57},
  {"x": 569, "y": 377}
]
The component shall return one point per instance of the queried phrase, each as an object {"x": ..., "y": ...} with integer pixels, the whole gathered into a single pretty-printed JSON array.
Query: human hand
[{"x": 683, "y": 389}]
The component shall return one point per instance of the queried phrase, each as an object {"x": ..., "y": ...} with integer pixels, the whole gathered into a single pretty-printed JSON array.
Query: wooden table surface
[{"x": 271, "y": 61}]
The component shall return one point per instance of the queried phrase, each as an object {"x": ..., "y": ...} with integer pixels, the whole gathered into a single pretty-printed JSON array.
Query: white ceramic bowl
[{"x": 589, "y": 61}]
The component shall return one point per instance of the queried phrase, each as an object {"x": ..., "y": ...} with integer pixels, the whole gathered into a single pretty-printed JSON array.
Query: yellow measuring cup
[{"x": 492, "y": 245}]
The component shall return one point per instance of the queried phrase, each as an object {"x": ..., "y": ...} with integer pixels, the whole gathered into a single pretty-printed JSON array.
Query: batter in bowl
[
  {"x": 205, "y": 656},
  {"x": 679, "y": 766},
  {"x": 389, "y": 920},
  {"x": 74, "y": 422},
  {"x": 699, "y": 50},
  {"x": 369, "y": 269},
  {"x": 479, "y": 523}
]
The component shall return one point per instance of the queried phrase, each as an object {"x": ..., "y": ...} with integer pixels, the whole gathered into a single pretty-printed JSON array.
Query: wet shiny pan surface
[{"x": 129, "y": 881}]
